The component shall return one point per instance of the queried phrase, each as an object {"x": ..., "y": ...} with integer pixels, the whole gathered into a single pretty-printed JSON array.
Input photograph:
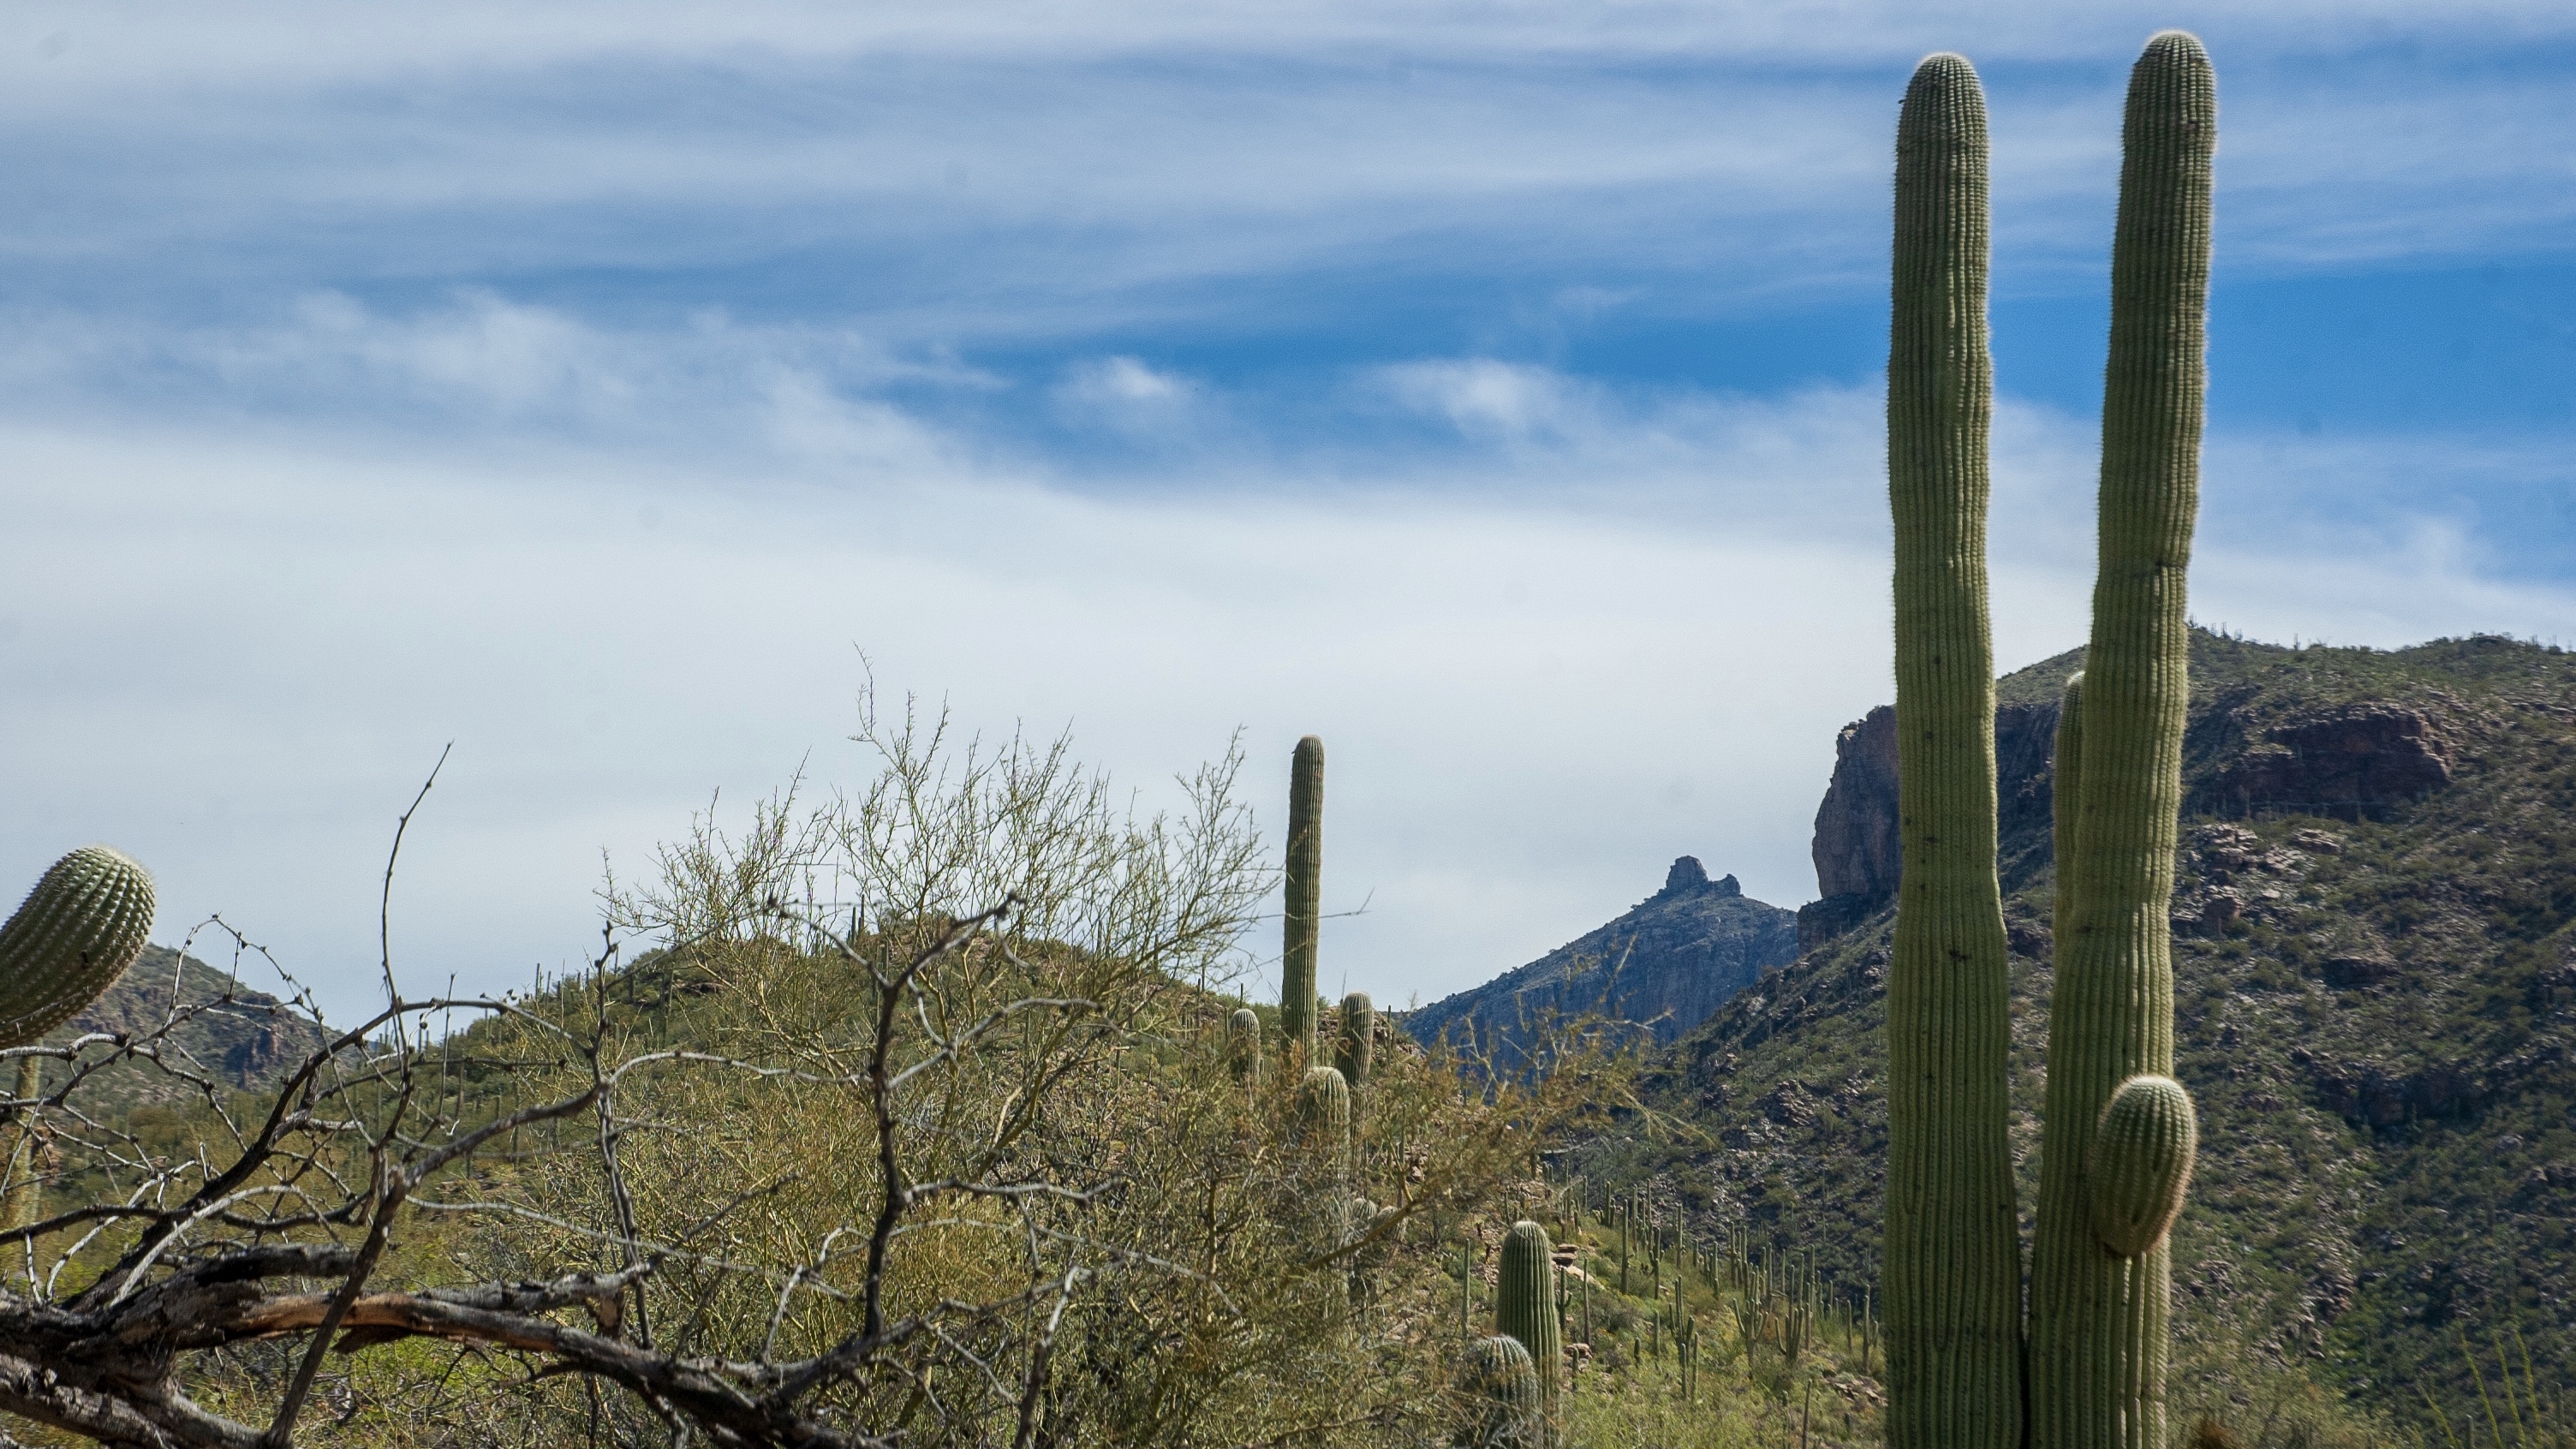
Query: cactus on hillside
[
  {"x": 1323, "y": 1122},
  {"x": 1499, "y": 1394},
  {"x": 1525, "y": 1306},
  {"x": 1953, "y": 1245},
  {"x": 1243, "y": 1045},
  {"x": 2098, "y": 1329},
  {"x": 83, "y": 924},
  {"x": 1304, "y": 912},
  {"x": 1356, "y": 1050}
]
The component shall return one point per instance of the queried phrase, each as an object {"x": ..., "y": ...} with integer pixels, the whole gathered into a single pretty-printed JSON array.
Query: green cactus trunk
[
  {"x": 1525, "y": 1307},
  {"x": 1304, "y": 913},
  {"x": 1500, "y": 1398},
  {"x": 1953, "y": 1244},
  {"x": 1356, "y": 1050},
  {"x": 2099, "y": 1320},
  {"x": 85, "y": 922}
]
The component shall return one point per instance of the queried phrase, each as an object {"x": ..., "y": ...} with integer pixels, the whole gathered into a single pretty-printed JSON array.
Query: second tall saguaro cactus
[
  {"x": 1953, "y": 1237},
  {"x": 1304, "y": 913},
  {"x": 2098, "y": 1313}
]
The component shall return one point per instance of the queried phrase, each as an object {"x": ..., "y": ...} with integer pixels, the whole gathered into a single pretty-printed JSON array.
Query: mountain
[
  {"x": 1666, "y": 964},
  {"x": 2375, "y": 963},
  {"x": 236, "y": 1037}
]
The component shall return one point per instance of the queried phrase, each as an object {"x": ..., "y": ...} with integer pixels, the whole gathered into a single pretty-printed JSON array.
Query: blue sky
[{"x": 1490, "y": 388}]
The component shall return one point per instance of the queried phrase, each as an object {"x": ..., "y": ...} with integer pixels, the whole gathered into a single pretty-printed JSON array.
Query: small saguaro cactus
[
  {"x": 1323, "y": 1121},
  {"x": 1243, "y": 1045},
  {"x": 1498, "y": 1389},
  {"x": 1356, "y": 1050},
  {"x": 1525, "y": 1305},
  {"x": 83, "y": 924},
  {"x": 1304, "y": 885}
]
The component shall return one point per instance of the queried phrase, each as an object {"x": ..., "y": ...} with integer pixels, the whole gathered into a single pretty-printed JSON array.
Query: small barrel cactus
[
  {"x": 1357, "y": 1046},
  {"x": 83, "y": 924},
  {"x": 1243, "y": 1045},
  {"x": 1525, "y": 1304},
  {"x": 2138, "y": 1165},
  {"x": 1498, "y": 1387}
]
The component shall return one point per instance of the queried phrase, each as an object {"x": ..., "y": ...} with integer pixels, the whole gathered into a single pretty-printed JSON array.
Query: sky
[{"x": 1493, "y": 389}]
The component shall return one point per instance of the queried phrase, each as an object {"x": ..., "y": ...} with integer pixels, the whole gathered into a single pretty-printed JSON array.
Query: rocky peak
[{"x": 1689, "y": 877}]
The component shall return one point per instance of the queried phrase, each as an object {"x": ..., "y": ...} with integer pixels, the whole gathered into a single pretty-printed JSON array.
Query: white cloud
[{"x": 1633, "y": 638}]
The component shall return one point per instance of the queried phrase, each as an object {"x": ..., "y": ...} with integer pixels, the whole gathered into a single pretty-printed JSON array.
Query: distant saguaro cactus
[
  {"x": 83, "y": 924},
  {"x": 1243, "y": 1045},
  {"x": 1356, "y": 1050},
  {"x": 1498, "y": 1388},
  {"x": 1303, "y": 915},
  {"x": 1323, "y": 1122},
  {"x": 1525, "y": 1306}
]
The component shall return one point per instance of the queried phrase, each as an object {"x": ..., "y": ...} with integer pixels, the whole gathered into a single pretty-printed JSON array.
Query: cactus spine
[
  {"x": 1304, "y": 883},
  {"x": 2098, "y": 1333},
  {"x": 83, "y": 924},
  {"x": 1525, "y": 1306},
  {"x": 1499, "y": 1385},
  {"x": 1243, "y": 1045},
  {"x": 1953, "y": 1246},
  {"x": 1358, "y": 1047}
]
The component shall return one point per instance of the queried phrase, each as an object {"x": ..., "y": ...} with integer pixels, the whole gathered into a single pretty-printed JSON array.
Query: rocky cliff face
[
  {"x": 1665, "y": 965},
  {"x": 1857, "y": 850}
]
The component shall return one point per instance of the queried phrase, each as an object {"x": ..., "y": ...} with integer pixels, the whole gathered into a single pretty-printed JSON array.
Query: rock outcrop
[
  {"x": 2348, "y": 761},
  {"x": 1857, "y": 849}
]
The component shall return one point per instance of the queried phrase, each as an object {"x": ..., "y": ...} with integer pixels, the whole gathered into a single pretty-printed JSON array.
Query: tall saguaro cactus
[
  {"x": 1953, "y": 1244},
  {"x": 2099, "y": 1309},
  {"x": 1525, "y": 1308},
  {"x": 1304, "y": 913}
]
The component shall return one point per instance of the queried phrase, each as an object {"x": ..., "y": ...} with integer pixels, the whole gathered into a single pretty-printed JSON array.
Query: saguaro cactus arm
[
  {"x": 85, "y": 922},
  {"x": 2138, "y": 1165}
]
